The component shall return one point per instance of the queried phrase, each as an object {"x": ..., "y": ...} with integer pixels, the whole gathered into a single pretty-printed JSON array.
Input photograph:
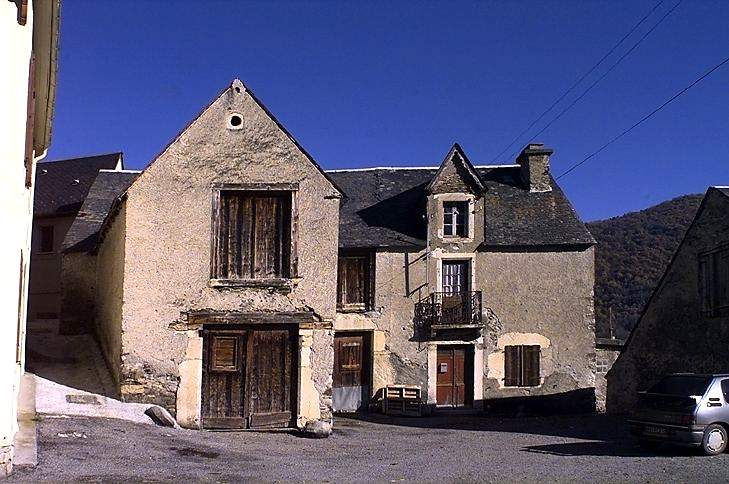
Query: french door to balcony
[{"x": 456, "y": 286}]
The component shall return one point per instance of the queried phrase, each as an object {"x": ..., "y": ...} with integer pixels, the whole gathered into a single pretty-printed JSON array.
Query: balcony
[{"x": 442, "y": 311}]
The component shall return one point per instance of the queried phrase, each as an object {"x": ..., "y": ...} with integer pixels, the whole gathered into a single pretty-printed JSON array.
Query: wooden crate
[{"x": 402, "y": 400}]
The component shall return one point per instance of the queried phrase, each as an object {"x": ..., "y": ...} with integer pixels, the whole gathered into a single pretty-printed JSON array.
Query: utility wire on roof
[
  {"x": 576, "y": 100},
  {"x": 645, "y": 118},
  {"x": 578, "y": 81}
]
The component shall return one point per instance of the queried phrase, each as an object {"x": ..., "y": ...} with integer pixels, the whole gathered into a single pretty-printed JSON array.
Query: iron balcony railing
[{"x": 449, "y": 310}]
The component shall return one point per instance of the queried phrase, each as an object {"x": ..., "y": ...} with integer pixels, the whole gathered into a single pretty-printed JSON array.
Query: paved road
[{"x": 457, "y": 448}]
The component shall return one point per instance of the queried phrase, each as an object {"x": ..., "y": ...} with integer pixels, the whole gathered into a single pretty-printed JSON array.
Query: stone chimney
[{"x": 534, "y": 161}]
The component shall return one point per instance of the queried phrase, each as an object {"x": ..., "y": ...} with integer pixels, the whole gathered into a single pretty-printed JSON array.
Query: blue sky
[{"x": 397, "y": 83}]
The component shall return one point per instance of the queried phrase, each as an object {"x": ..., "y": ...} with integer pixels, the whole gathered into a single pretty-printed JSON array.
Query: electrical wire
[
  {"x": 584, "y": 93},
  {"x": 644, "y": 118},
  {"x": 579, "y": 80}
]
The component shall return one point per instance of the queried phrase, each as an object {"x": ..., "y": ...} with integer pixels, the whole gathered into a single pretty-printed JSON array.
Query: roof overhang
[{"x": 46, "y": 28}]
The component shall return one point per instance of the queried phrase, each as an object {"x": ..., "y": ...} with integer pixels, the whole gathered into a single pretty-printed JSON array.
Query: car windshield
[{"x": 681, "y": 385}]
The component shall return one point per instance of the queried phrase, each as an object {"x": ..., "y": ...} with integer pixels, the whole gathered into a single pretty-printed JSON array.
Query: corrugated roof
[
  {"x": 386, "y": 208},
  {"x": 61, "y": 186},
  {"x": 109, "y": 185}
]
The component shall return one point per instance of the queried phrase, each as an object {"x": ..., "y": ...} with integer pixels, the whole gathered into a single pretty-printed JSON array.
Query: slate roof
[
  {"x": 61, "y": 186},
  {"x": 109, "y": 185},
  {"x": 385, "y": 208},
  {"x": 724, "y": 190}
]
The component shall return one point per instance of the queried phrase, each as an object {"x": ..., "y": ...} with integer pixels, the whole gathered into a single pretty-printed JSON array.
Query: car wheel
[{"x": 715, "y": 440}]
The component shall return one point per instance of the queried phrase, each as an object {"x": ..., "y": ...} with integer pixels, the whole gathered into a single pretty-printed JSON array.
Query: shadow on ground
[
  {"x": 603, "y": 435},
  {"x": 620, "y": 448},
  {"x": 71, "y": 360}
]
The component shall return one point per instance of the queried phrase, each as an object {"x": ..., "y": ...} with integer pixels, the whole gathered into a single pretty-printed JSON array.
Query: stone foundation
[
  {"x": 140, "y": 385},
  {"x": 6, "y": 460}
]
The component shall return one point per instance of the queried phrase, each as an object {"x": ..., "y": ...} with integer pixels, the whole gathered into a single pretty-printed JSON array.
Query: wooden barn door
[
  {"x": 270, "y": 377},
  {"x": 454, "y": 381},
  {"x": 248, "y": 378},
  {"x": 351, "y": 388},
  {"x": 223, "y": 385}
]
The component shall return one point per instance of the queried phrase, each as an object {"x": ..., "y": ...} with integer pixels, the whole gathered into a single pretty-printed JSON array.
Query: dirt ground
[{"x": 593, "y": 448}]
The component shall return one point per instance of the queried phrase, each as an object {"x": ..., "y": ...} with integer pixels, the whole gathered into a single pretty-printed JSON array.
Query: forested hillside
[{"x": 632, "y": 254}]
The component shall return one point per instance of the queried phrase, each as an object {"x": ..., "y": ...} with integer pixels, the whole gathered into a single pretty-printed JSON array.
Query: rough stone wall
[
  {"x": 534, "y": 161},
  {"x": 538, "y": 297},
  {"x": 108, "y": 310},
  {"x": 78, "y": 291},
  {"x": 541, "y": 298},
  {"x": 168, "y": 240},
  {"x": 605, "y": 358},
  {"x": 6, "y": 460},
  {"x": 397, "y": 357},
  {"x": 451, "y": 177},
  {"x": 672, "y": 335},
  {"x": 322, "y": 363}
]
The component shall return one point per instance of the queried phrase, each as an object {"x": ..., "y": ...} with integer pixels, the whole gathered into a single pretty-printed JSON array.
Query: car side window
[{"x": 725, "y": 389}]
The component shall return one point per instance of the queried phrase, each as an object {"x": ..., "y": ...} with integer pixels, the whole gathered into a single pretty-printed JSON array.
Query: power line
[
  {"x": 584, "y": 93},
  {"x": 578, "y": 81},
  {"x": 644, "y": 118}
]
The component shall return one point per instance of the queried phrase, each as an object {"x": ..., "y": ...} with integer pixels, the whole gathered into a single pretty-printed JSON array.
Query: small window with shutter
[
  {"x": 224, "y": 353},
  {"x": 521, "y": 366},
  {"x": 714, "y": 282},
  {"x": 355, "y": 282}
]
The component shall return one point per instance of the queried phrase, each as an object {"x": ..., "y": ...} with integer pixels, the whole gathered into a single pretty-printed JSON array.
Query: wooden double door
[
  {"x": 454, "y": 381},
  {"x": 249, "y": 378}
]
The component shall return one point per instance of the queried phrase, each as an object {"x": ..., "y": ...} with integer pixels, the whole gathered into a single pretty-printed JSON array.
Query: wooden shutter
[
  {"x": 722, "y": 289},
  {"x": 512, "y": 365},
  {"x": 253, "y": 236},
  {"x": 531, "y": 365},
  {"x": 341, "y": 281},
  {"x": 30, "y": 119},
  {"x": 704, "y": 285},
  {"x": 267, "y": 249},
  {"x": 225, "y": 353},
  {"x": 354, "y": 282}
]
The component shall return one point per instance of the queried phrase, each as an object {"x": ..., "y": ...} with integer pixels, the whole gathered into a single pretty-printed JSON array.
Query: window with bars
[
  {"x": 714, "y": 282},
  {"x": 252, "y": 235},
  {"x": 355, "y": 285},
  {"x": 455, "y": 219},
  {"x": 521, "y": 366}
]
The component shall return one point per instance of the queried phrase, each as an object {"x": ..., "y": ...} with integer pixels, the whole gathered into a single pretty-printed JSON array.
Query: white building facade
[{"x": 29, "y": 36}]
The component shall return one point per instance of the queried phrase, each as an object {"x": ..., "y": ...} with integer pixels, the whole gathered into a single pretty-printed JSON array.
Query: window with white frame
[{"x": 455, "y": 219}]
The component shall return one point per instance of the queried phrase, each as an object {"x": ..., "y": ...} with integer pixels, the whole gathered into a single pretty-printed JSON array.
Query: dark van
[{"x": 686, "y": 409}]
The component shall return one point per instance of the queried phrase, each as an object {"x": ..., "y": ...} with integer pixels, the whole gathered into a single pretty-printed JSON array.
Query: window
[
  {"x": 225, "y": 353},
  {"x": 714, "y": 282},
  {"x": 725, "y": 390},
  {"x": 521, "y": 365},
  {"x": 455, "y": 219},
  {"x": 46, "y": 238},
  {"x": 252, "y": 235},
  {"x": 355, "y": 284}
]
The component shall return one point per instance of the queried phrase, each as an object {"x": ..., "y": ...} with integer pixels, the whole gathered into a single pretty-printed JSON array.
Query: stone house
[
  {"x": 685, "y": 324},
  {"x": 240, "y": 285},
  {"x": 29, "y": 36},
  {"x": 60, "y": 189}
]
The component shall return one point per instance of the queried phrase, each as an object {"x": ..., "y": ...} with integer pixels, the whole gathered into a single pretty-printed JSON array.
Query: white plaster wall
[{"x": 16, "y": 203}]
